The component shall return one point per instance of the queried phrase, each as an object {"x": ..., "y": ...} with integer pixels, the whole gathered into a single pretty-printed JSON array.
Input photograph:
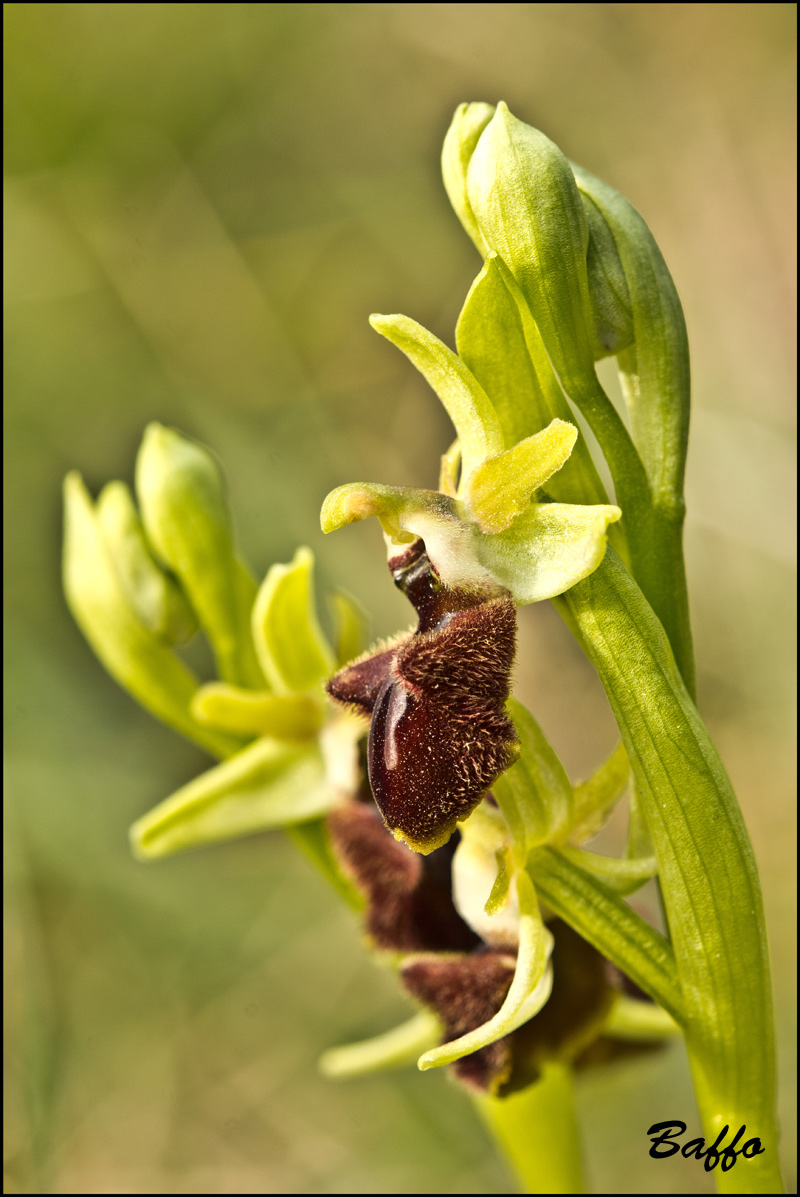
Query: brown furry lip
[{"x": 439, "y": 734}]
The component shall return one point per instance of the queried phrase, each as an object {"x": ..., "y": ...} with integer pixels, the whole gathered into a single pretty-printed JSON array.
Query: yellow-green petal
[
  {"x": 292, "y": 648},
  {"x": 500, "y": 488},
  {"x": 268, "y": 784},
  {"x": 549, "y": 548},
  {"x": 596, "y": 797}
]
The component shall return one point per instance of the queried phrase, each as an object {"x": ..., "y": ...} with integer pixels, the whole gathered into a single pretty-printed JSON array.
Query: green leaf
[
  {"x": 501, "y": 488},
  {"x": 709, "y": 880},
  {"x": 535, "y": 794},
  {"x": 134, "y": 656},
  {"x": 547, "y": 549},
  {"x": 291, "y": 646},
  {"x": 154, "y": 594},
  {"x": 459, "y": 144},
  {"x": 529, "y": 990},
  {"x": 394, "y": 1049},
  {"x": 268, "y": 784},
  {"x": 257, "y": 712},
  {"x": 603, "y": 919},
  {"x": 464, "y": 399},
  {"x": 186, "y": 519}
]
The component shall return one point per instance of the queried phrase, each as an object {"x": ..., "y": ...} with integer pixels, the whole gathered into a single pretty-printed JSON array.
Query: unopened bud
[
  {"x": 155, "y": 595},
  {"x": 186, "y": 519}
]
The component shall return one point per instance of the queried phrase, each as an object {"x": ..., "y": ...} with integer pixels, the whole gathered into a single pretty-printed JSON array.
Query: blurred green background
[{"x": 203, "y": 205}]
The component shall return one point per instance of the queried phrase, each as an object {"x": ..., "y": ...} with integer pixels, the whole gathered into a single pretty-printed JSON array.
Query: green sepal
[
  {"x": 269, "y": 784},
  {"x": 621, "y": 876},
  {"x": 529, "y": 990},
  {"x": 350, "y": 622},
  {"x": 312, "y": 839},
  {"x": 393, "y": 1049},
  {"x": 185, "y": 516},
  {"x": 134, "y": 656},
  {"x": 596, "y": 797},
  {"x": 501, "y": 487},
  {"x": 463, "y": 398},
  {"x": 292, "y": 648},
  {"x": 257, "y": 712},
  {"x": 154, "y": 594},
  {"x": 498, "y": 340},
  {"x": 460, "y": 140},
  {"x": 610, "y": 925},
  {"x": 535, "y": 794},
  {"x": 636, "y": 1021}
]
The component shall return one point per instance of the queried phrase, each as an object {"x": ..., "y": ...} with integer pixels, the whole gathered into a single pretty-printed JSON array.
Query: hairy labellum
[
  {"x": 439, "y": 734},
  {"x": 409, "y": 903}
]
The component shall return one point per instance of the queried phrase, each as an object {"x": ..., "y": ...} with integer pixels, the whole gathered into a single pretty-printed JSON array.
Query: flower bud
[
  {"x": 655, "y": 372},
  {"x": 186, "y": 519},
  {"x": 155, "y": 596},
  {"x": 133, "y": 655},
  {"x": 525, "y": 200},
  {"x": 608, "y": 287},
  {"x": 459, "y": 144}
]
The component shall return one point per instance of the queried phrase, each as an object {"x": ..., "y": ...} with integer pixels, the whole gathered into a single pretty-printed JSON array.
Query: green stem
[
  {"x": 709, "y": 879},
  {"x": 537, "y": 1130}
]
